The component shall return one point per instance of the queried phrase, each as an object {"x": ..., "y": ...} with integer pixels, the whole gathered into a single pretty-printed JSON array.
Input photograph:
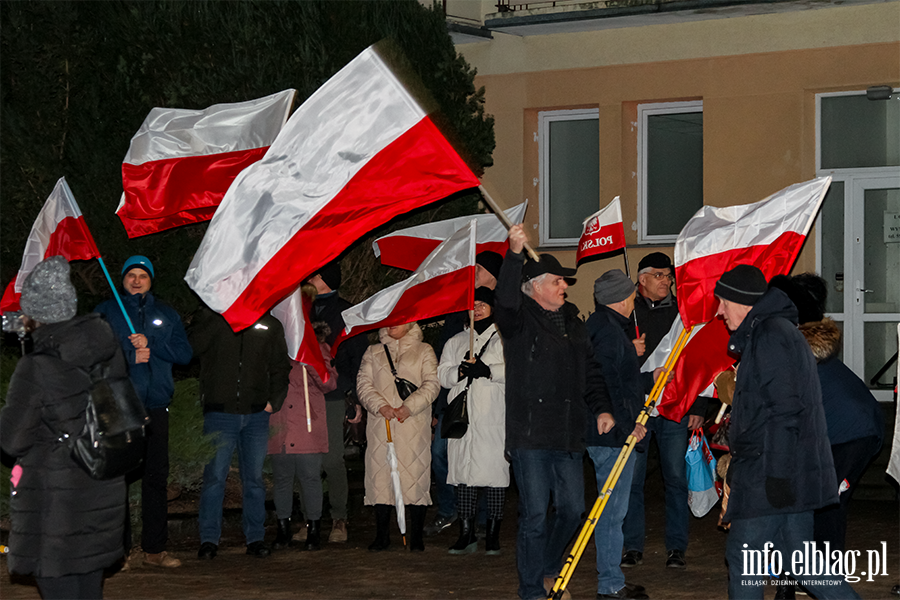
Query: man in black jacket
[
  {"x": 781, "y": 467},
  {"x": 554, "y": 388},
  {"x": 243, "y": 378}
]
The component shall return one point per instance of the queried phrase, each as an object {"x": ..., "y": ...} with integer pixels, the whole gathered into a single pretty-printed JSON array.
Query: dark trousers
[
  {"x": 850, "y": 462},
  {"x": 84, "y": 586},
  {"x": 154, "y": 501}
]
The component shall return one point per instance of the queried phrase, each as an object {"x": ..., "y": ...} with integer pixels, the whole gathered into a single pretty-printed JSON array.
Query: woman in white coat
[
  {"x": 476, "y": 460},
  {"x": 410, "y": 422}
]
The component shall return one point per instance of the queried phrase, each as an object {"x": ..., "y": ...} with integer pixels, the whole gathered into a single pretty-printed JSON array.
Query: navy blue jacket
[
  {"x": 620, "y": 364},
  {"x": 166, "y": 339},
  {"x": 778, "y": 429}
]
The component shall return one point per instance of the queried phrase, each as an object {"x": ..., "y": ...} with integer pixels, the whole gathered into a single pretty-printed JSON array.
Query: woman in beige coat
[{"x": 410, "y": 422}]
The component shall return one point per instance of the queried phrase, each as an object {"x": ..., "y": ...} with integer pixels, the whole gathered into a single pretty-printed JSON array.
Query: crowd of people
[{"x": 542, "y": 388}]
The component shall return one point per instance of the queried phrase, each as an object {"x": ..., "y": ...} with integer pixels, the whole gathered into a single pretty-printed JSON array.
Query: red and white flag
[
  {"x": 443, "y": 283},
  {"x": 357, "y": 153},
  {"x": 59, "y": 230},
  {"x": 293, "y": 312},
  {"x": 407, "y": 248},
  {"x": 181, "y": 161},
  {"x": 603, "y": 234},
  {"x": 768, "y": 235}
]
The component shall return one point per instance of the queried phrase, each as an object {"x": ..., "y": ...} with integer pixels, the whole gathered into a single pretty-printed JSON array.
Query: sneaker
[
  {"x": 440, "y": 523},
  {"x": 161, "y": 559},
  {"x": 338, "y": 531},
  {"x": 626, "y": 592},
  {"x": 207, "y": 551},
  {"x": 258, "y": 549},
  {"x": 675, "y": 559},
  {"x": 631, "y": 558}
]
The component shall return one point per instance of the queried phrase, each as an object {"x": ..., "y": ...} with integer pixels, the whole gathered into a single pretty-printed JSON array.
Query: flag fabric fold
[
  {"x": 443, "y": 283},
  {"x": 181, "y": 161},
  {"x": 293, "y": 312},
  {"x": 603, "y": 234},
  {"x": 59, "y": 230},
  {"x": 407, "y": 248},
  {"x": 357, "y": 153}
]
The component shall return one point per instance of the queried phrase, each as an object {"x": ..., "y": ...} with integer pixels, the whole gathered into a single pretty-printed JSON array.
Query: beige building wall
[{"x": 758, "y": 77}]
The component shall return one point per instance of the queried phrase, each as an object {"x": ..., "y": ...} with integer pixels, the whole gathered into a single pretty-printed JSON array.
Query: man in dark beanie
[
  {"x": 554, "y": 391},
  {"x": 781, "y": 467},
  {"x": 327, "y": 307},
  {"x": 610, "y": 329},
  {"x": 158, "y": 342}
]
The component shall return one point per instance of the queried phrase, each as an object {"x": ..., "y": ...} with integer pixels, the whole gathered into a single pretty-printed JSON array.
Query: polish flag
[
  {"x": 59, "y": 230},
  {"x": 603, "y": 234},
  {"x": 407, "y": 248},
  {"x": 767, "y": 234},
  {"x": 357, "y": 153},
  {"x": 303, "y": 347},
  {"x": 181, "y": 161},
  {"x": 443, "y": 283}
]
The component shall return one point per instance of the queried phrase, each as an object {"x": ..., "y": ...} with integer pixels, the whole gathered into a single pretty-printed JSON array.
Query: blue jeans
[
  {"x": 445, "y": 496},
  {"x": 608, "y": 532},
  {"x": 542, "y": 476},
  {"x": 672, "y": 440},
  {"x": 250, "y": 434},
  {"x": 787, "y": 532}
]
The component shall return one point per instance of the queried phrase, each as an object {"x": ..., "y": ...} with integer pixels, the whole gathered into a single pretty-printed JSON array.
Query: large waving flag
[
  {"x": 443, "y": 283},
  {"x": 603, "y": 234},
  {"x": 293, "y": 312},
  {"x": 407, "y": 248},
  {"x": 767, "y": 234},
  {"x": 59, "y": 230},
  {"x": 181, "y": 161},
  {"x": 357, "y": 153}
]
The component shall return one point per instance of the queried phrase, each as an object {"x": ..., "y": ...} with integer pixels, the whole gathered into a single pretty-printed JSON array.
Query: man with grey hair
[{"x": 554, "y": 390}]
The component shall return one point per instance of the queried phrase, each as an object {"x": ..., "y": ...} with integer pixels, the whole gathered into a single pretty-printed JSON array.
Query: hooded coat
[
  {"x": 476, "y": 459},
  {"x": 63, "y": 521},
  {"x": 416, "y": 362},
  {"x": 778, "y": 433}
]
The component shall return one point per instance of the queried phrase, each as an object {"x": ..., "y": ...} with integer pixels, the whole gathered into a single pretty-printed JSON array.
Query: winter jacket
[
  {"x": 414, "y": 361},
  {"x": 288, "y": 432},
  {"x": 851, "y": 411},
  {"x": 653, "y": 319},
  {"x": 166, "y": 339},
  {"x": 63, "y": 521},
  {"x": 780, "y": 456},
  {"x": 554, "y": 386},
  {"x": 476, "y": 459},
  {"x": 627, "y": 386},
  {"x": 240, "y": 372},
  {"x": 328, "y": 308}
]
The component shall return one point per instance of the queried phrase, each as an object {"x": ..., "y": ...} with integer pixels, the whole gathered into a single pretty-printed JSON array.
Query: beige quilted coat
[{"x": 415, "y": 361}]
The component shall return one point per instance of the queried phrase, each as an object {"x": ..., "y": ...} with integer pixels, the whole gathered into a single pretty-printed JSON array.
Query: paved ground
[{"x": 350, "y": 571}]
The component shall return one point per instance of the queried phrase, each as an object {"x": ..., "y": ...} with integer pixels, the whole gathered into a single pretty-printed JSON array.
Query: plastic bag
[{"x": 701, "y": 475}]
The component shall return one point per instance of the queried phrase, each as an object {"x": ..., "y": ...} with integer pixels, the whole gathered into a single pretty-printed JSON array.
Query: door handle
[{"x": 865, "y": 291}]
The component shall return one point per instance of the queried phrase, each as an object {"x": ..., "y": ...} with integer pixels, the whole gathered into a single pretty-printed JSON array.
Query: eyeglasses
[{"x": 659, "y": 276}]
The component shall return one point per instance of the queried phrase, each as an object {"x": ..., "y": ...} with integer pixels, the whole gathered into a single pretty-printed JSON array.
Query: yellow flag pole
[{"x": 581, "y": 542}]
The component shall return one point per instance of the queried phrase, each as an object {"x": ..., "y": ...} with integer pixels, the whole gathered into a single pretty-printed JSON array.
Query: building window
[
  {"x": 856, "y": 132},
  {"x": 569, "y": 163},
  {"x": 670, "y": 168}
]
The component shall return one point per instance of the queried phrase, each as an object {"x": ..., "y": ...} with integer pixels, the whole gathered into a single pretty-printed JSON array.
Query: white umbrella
[{"x": 395, "y": 481}]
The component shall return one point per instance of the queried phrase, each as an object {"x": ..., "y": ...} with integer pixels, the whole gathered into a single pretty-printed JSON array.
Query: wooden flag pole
[
  {"x": 505, "y": 220},
  {"x": 306, "y": 396}
]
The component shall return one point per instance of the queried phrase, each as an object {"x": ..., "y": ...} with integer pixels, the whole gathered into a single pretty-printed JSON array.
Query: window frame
[
  {"x": 545, "y": 118},
  {"x": 643, "y": 111}
]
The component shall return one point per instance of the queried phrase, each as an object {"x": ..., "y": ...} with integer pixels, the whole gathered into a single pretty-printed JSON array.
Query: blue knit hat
[{"x": 139, "y": 262}]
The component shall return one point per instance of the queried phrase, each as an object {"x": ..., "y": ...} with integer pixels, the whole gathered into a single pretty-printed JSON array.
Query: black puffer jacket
[
  {"x": 778, "y": 433},
  {"x": 63, "y": 522},
  {"x": 553, "y": 383}
]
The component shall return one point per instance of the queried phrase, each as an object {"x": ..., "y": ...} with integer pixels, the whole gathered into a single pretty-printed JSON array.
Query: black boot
[
  {"x": 312, "y": 536},
  {"x": 283, "y": 537},
  {"x": 383, "y": 527},
  {"x": 492, "y": 539},
  {"x": 467, "y": 542},
  {"x": 417, "y": 527}
]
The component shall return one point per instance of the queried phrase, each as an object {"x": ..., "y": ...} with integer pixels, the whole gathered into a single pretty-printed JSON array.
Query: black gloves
[
  {"x": 474, "y": 370},
  {"x": 779, "y": 492}
]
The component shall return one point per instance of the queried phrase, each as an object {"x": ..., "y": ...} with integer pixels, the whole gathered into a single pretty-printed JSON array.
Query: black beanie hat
[
  {"x": 805, "y": 291},
  {"x": 331, "y": 275},
  {"x": 484, "y": 294},
  {"x": 655, "y": 260},
  {"x": 744, "y": 284},
  {"x": 491, "y": 262}
]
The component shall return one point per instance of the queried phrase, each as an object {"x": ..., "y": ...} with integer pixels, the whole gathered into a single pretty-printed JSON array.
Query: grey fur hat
[{"x": 48, "y": 295}]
